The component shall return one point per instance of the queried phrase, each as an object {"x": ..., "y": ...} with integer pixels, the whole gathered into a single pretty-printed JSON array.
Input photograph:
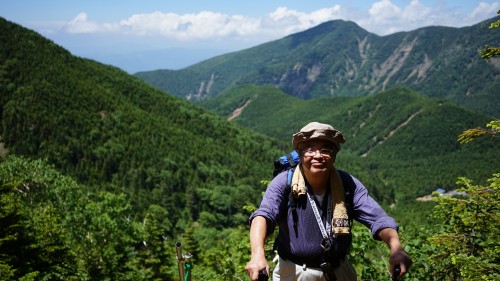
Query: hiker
[{"x": 314, "y": 215}]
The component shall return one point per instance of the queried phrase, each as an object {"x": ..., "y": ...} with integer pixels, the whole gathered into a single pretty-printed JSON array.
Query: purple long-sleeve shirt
[{"x": 303, "y": 240}]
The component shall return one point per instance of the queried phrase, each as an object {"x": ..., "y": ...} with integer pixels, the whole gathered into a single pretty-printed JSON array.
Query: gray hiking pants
[{"x": 288, "y": 271}]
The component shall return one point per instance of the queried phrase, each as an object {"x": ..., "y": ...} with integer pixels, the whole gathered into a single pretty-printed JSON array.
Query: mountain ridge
[
  {"x": 339, "y": 58},
  {"x": 112, "y": 131}
]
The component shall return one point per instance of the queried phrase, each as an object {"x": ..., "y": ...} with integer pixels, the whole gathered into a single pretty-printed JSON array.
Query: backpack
[{"x": 285, "y": 162}]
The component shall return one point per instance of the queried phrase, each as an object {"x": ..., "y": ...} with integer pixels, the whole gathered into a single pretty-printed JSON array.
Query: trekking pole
[
  {"x": 180, "y": 260},
  {"x": 184, "y": 263},
  {"x": 395, "y": 273}
]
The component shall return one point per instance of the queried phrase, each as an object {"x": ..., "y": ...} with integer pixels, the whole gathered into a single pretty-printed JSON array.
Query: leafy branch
[
  {"x": 490, "y": 52},
  {"x": 493, "y": 128}
]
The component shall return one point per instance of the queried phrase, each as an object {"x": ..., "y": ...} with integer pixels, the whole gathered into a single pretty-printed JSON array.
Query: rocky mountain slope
[{"x": 339, "y": 58}]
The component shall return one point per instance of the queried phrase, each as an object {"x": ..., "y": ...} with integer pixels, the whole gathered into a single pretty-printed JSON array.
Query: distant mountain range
[
  {"x": 113, "y": 131},
  {"x": 339, "y": 58}
]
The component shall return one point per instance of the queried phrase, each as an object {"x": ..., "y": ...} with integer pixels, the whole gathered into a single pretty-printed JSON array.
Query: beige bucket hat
[{"x": 316, "y": 130}]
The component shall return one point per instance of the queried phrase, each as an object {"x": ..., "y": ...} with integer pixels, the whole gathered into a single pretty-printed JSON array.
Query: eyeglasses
[{"x": 325, "y": 152}]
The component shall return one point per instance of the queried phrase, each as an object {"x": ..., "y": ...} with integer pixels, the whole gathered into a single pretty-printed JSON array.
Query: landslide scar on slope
[{"x": 238, "y": 110}]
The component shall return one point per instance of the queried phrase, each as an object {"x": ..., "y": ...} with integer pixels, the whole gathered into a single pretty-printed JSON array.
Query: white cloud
[
  {"x": 384, "y": 10},
  {"x": 207, "y": 25},
  {"x": 415, "y": 12},
  {"x": 384, "y": 17},
  {"x": 284, "y": 21},
  {"x": 80, "y": 24},
  {"x": 484, "y": 10},
  {"x": 189, "y": 26}
]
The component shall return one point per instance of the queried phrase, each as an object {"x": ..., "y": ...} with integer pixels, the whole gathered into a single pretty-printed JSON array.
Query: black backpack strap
[
  {"x": 349, "y": 188},
  {"x": 292, "y": 202}
]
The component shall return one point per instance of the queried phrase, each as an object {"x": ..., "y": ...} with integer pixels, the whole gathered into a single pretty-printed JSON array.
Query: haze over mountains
[
  {"x": 339, "y": 58},
  {"x": 176, "y": 58}
]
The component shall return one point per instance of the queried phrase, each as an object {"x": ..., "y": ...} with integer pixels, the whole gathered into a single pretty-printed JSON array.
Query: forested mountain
[
  {"x": 111, "y": 130},
  {"x": 398, "y": 137},
  {"x": 339, "y": 58},
  {"x": 100, "y": 173}
]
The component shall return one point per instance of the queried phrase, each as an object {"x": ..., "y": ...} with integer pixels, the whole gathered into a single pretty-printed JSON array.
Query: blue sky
[{"x": 137, "y": 35}]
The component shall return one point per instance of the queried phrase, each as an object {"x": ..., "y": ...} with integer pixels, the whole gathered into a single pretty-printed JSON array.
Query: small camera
[
  {"x": 327, "y": 269},
  {"x": 263, "y": 275}
]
